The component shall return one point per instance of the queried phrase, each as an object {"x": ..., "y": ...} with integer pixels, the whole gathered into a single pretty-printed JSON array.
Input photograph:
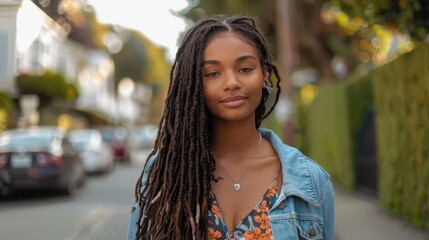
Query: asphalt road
[{"x": 99, "y": 211}]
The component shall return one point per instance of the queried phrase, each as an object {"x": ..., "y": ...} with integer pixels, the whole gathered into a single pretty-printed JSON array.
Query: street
[{"x": 100, "y": 210}]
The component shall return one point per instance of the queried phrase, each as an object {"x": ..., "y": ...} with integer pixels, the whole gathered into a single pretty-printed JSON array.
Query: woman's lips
[{"x": 235, "y": 101}]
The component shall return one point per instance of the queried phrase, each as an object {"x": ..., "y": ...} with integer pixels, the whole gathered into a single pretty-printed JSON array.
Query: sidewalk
[{"x": 358, "y": 217}]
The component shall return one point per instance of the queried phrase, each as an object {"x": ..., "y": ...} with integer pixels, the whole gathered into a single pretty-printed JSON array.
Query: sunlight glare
[{"x": 150, "y": 17}]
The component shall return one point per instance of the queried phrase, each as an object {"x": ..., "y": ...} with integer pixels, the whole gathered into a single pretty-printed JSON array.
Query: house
[{"x": 32, "y": 43}]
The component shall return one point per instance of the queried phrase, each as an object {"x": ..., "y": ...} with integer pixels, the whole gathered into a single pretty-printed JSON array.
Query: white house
[
  {"x": 31, "y": 42},
  {"x": 8, "y": 12}
]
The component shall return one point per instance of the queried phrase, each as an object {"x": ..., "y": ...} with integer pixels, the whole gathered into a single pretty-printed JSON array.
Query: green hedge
[
  {"x": 331, "y": 124},
  {"x": 401, "y": 91}
]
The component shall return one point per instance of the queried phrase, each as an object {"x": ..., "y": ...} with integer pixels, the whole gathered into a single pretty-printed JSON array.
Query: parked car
[
  {"x": 97, "y": 156},
  {"x": 144, "y": 137},
  {"x": 116, "y": 138},
  {"x": 37, "y": 158}
]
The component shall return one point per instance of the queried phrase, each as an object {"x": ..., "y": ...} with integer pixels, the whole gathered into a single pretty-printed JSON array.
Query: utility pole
[{"x": 285, "y": 110}]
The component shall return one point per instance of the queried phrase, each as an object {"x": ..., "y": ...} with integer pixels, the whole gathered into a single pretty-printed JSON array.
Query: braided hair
[{"x": 174, "y": 200}]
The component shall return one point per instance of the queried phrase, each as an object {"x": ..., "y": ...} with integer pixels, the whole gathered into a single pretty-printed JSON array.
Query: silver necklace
[{"x": 236, "y": 184}]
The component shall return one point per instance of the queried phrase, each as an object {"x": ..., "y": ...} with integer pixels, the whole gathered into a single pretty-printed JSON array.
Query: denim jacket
[{"x": 305, "y": 207}]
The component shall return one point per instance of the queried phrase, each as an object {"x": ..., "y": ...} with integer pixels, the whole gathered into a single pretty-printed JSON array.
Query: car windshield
[{"x": 26, "y": 139}]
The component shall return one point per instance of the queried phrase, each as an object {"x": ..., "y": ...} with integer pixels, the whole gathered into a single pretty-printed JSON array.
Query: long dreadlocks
[{"x": 173, "y": 195}]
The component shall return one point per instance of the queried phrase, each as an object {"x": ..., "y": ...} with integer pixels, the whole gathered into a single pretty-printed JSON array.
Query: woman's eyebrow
[
  {"x": 245, "y": 57},
  {"x": 239, "y": 59},
  {"x": 215, "y": 62}
]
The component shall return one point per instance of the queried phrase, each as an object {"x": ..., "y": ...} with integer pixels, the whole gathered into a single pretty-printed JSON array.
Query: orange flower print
[
  {"x": 262, "y": 207},
  {"x": 212, "y": 234},
  {"x": 272, "y": 191},
  {"x": 263, "y": 221},
  {"x": 216, "y": 211},
  {"x": 253, "y": 235},
  {"x": 257, "y": 234},
  {"x": 255, "y": 226}
]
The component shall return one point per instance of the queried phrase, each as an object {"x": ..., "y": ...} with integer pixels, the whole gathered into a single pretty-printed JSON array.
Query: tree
[
  {"x": 408, "y": 16},
  {"x": 263, "y": 10},
  {"x": 315, "y": 42}
]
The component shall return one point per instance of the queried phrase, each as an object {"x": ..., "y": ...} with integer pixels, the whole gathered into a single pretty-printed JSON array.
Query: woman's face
[{"x": 232, "y": 77}]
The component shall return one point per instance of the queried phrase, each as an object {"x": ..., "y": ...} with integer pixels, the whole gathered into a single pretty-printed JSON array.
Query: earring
[{"x": 268, "y": 86}]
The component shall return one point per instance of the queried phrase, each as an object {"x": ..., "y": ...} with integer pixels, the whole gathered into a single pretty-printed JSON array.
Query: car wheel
[{"x": 5, "y": 191}]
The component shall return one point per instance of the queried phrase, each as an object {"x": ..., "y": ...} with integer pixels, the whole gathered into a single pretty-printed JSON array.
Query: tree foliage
[
  {"x": 409, "y": 16},
  {"x": 263, "y": 10},
  {"x": 48, "y": 86},
  {"x": 320, "y": 37},
  {"x": 158, "y": 65},
  {"x": 6, "y": 109},
  {"x": 314, "y": 42},
  {"x": 141, "y": 60},
  {"x": 131, "y": 61}
]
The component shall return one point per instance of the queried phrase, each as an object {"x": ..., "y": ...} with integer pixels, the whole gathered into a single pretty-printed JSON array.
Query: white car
[
  {"x": 97, "y": 156},
  {"x": 142, "y": 142}
]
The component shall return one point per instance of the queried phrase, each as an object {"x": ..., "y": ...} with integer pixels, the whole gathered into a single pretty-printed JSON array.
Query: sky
[{"x": 150, "y": 17}]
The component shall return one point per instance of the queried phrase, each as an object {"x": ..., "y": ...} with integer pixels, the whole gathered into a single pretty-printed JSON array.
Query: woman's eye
[
  {"x": 246, "y": 69},
  {"x": 211, "y": 74}
]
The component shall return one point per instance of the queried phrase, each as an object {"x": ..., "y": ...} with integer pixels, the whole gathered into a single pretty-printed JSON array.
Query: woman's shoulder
[
  {"x": 302, "y": 176},
  {"x": 314, "y": 166},
  {"x": 292, "y": 157},
  {"x": 295, "y": 159},
  {"x": 306, "y": 176}
]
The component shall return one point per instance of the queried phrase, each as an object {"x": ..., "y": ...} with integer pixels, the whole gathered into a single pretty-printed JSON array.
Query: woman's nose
[{"x": 231, "y": 82}]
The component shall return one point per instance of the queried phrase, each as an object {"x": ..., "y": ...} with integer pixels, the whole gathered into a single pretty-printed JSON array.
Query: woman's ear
[{"x": 266, "y": 75}]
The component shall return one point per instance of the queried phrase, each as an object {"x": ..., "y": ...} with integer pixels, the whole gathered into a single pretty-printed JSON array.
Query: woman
[{"x": 214, "y": 173}]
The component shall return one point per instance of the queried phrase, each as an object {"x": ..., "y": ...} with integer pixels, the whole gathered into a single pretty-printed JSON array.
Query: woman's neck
[{"x": 234, "y": 142}]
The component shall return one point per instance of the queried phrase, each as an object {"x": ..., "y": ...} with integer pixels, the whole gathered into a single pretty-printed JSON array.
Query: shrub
[
  {"x": 6, "y": 108},
  {"x": 49, "y": 86}
]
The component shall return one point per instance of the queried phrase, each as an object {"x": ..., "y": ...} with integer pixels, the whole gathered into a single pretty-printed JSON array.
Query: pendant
[{"x": 237, "y": 186}]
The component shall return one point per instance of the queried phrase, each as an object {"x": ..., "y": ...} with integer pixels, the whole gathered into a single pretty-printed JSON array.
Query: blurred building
[
  {"x": 31, "y": 43},
  {"x": 8, "y": 12}
]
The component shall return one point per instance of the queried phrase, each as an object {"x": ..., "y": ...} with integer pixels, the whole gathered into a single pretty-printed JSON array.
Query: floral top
[{"x": 254, "y": 226}]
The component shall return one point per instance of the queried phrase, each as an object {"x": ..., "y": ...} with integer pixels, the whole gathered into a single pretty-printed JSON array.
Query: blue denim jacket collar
[{"x": 297, "y": 179}]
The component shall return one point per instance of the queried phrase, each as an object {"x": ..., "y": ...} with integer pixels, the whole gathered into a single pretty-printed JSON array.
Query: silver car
[{"x": 97, "y": 155}]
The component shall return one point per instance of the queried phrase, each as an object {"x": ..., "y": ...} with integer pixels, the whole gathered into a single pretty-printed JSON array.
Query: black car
[{"x": 39, "y": 158}]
